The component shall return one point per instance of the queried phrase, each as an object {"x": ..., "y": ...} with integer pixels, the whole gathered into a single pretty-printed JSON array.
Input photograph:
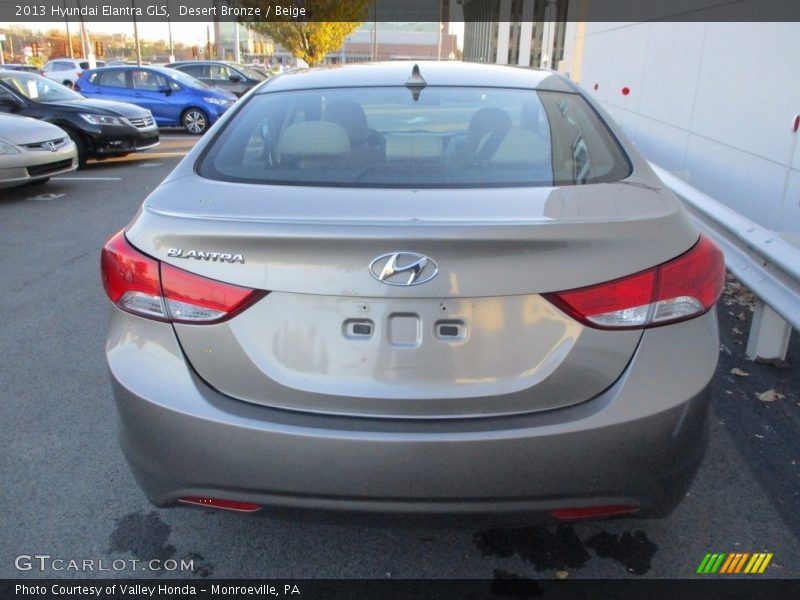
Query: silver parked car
[
  {"x": 434, "y": 287},
  {"x": 33, "y": 151}
]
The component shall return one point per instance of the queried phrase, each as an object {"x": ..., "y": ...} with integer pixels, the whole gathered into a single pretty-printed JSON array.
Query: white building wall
[{"x": 712, "y": 101}]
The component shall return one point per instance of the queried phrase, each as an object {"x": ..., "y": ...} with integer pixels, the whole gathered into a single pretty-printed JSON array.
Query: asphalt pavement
[{"x": 66, "y": 491}]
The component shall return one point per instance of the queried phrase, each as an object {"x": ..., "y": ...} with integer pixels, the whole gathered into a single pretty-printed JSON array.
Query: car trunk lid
[{"x": 478, "y": 339}]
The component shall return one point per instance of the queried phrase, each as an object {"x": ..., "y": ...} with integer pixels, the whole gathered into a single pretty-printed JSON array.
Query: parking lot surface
[{"x": 67, "y": 493}]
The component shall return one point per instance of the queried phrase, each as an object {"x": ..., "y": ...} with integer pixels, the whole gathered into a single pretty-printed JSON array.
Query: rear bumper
[{"x": 640, "y": 442}]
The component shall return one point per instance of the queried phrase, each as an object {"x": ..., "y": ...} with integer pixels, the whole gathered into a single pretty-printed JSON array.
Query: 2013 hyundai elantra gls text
[{"x": 414, "y": 288}]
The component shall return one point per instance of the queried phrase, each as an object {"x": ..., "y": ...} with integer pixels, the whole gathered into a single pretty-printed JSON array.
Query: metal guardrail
[{"x": 764, "y": 262}]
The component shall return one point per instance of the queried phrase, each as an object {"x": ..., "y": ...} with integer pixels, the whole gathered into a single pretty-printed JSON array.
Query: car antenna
[{"x": 416, "y": 83}]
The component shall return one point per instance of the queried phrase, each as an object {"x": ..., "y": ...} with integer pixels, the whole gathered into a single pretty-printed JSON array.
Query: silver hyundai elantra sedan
[{"x": 414, "y": 288}]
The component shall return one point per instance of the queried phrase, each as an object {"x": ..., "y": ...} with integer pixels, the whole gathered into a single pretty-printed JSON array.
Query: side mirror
[
  {"x": 236, "y": 78},
  {"x": 166, "y": 90}
]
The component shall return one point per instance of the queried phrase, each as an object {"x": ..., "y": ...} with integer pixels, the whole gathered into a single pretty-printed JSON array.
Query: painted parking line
[
  {"x": 86, "y": 179},
  {"x": 150, "y": 165}
]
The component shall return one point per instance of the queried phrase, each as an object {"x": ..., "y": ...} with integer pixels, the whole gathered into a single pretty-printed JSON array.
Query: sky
[{"x": 191, "y": 34}]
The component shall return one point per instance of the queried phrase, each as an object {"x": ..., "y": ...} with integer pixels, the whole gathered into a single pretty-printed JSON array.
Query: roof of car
[
  {"x": 164, "y": 70},
  {"x": 203, "y": 62},
  {"x": 444, "y": 73},
  {"x": 75, "y": 60}
]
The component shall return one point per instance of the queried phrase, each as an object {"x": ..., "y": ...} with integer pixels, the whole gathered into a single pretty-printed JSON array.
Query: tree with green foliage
[{"x": 311, "y": 41}]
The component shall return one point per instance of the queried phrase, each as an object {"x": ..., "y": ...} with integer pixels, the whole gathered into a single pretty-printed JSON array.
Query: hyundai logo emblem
[{"x": 403, "y": 268}]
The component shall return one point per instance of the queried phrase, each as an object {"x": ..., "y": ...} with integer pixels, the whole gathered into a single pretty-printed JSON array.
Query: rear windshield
[
  {"x": 187, "y": 80},
  {"x": 251, "y": 73},
  {"x": 445, "y": 137}
]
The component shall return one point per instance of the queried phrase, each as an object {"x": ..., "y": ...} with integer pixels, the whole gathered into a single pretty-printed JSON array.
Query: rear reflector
[
  {"x": 592, "y": 512},
  {"x": 682, "y": 288},
  {"x": 146, "y": 287},
  {"x": 224, "y": 504}
]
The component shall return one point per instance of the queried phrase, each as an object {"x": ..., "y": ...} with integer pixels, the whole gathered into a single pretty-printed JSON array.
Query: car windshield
[
  {"x": 436, "y": 137},
  {"x": 187, "y": 80},
  {"x": 251, "y": 73},
  {"x": 39, "y": 89}
]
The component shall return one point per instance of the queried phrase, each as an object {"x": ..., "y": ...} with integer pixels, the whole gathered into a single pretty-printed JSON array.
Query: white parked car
[
  {"x": 67, "y": 70},
  {"x": 33, "y": 151}
]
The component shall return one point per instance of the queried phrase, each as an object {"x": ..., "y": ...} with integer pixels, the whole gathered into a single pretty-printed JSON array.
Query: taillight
[
  {"x": 76, "y": 87},
  {"x": 680, "y": 289},
  {"x": 146, "y": 287},
  {"x": 131, "y": 279}
]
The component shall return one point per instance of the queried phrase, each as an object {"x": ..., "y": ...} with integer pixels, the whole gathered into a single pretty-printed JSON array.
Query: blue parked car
[{"x": 174, "y": 98}]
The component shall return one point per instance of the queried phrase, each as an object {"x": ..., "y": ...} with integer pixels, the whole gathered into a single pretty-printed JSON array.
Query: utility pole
[
  {"x": 69, "y": 35},
  {"x": 220, "y": 53},
  {"x": 237, "y": 53},
  {"x": 441, "y": 26},
  {"x": 87, "y": 48},
  {"x": 375, "y": 33},
  {"x": 136, "y": 40},
  {"x": 169, "y": 31}
]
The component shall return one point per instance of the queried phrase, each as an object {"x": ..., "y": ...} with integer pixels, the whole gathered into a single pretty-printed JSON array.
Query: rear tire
[
  {"x": 194, "y": 121},
  {"x": 67, "y": 83}
]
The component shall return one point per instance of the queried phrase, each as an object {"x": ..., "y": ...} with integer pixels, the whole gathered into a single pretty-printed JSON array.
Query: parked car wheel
[
  {"x": 195, "y": 121},
  {"x": 67, "y": 83},
  {"x": 80, "y": 145}
]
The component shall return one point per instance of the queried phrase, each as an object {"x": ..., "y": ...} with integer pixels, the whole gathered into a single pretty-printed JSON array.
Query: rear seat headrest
[
  {"x": 313, "y": 139},
  {"x": 521, "y": 147},
  {"x": 414, "y": 147}
]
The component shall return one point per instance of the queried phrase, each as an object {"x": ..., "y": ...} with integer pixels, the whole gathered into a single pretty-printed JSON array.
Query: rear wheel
[
  {"x": 67, "y": 83},
  {"x": 194, "y": 121}
]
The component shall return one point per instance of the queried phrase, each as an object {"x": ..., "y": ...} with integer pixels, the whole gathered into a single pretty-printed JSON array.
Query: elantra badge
[{"x": 210, "y": 256}]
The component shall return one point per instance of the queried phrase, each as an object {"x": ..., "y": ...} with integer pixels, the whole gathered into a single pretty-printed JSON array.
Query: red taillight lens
[
  {"x": 145, "y": 287},
  {"x": 680, "y": 289},
  {"x": 76, "y": 87},
  {"x": 192, "y": 299},
  {"x": 131, "y": 279},
  {"x": 219, "y": 503},
  {"x": 592, "y": 512}
]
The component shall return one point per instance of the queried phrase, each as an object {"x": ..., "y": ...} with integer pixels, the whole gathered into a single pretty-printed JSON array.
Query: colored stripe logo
[{"x": 737, "y": 562}]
